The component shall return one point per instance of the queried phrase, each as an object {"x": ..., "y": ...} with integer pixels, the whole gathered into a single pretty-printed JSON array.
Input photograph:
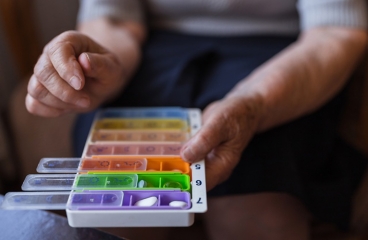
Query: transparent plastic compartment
[
  {"x": 141, "y": 149},
  {"x": 141, "y": 124},
  {"x": 95, "y": 199},
  {"x": 105, "y": 181},
  {"x": 138, "y": 135},
  {"x": 113, "y": 164},
  {"x": 58, "y": 165},
  {"x": 48, "y": 182},
  {"x": 74, "y": 165},
  {"x": 36, "y": 200},
  {"x": 151, "y": 112}
]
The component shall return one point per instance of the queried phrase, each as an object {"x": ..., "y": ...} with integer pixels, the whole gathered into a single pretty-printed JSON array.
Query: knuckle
[
  {"x": 63, "y": 37},
  {"x": 63, "y": 70},
  {"x": 67, "y": 35},
  {"x": 36, "y": 108},
  {"x": 44, "y": 72},
  {"x": 37, "y": 90},
  {"x": 204, "y": 141},
  {"x": 67, "y": 96}
]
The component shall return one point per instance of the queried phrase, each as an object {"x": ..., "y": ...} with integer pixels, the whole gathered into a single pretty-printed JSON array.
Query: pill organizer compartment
[
  {"x": 126, "y": 149},
  {"x": 163, "y": 199},
  {"x": 113, "y": 163},
  {"x": 95, "y": 200},
  {"x": 149, "y": 112},
  {"x": 106, "y": 181},
  {"x": 142, "y": 124},
  {"x": 103, "y": 135}
]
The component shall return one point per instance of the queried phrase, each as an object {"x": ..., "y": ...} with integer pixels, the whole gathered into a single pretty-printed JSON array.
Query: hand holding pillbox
[{"x": 130, "y": 173}]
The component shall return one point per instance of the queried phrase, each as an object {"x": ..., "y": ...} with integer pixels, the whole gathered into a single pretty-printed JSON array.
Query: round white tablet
[{"x": 180, "y": 204}]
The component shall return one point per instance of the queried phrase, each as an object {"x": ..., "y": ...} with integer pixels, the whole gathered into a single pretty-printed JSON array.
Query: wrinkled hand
[
  {"x": 228, "y": 125},
  {"x": 73, "y": 74}
]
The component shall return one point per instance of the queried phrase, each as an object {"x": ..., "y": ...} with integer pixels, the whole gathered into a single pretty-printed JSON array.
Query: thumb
[
  {"x": 206, "y": 139},
  {"x": 95, "y": 65}
]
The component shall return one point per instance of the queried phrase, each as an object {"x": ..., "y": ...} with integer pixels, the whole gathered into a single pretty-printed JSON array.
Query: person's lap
[{"x": 191, "y": 71}]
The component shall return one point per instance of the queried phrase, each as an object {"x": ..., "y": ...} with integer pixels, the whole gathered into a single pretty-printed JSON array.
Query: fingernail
[
  {"x": 75, "y": 82},
  {"x": 83, "y": 102},
  {"x": 188, "y": 154}
]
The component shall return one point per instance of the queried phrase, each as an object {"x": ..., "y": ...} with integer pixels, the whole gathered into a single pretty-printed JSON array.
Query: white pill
[
  {"x": 180, "y": 204},
  {"x": 146, "y": 202}
]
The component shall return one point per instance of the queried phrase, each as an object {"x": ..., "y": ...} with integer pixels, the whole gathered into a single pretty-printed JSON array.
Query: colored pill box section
[
  {"x": 167, "y": 181},
  {"x": 113, "y": 163},
  {"x": 145, "y": 136},
  {"x": 127, "y": 200},
  {"x": 43, "y": 182},
  {"x": 103, "y": 164},
  {"x": 158, "y": 112},
  {"x": 131, "y": 163},
  {"x": 168, "y": 165},
  {"x": 143, "y": 124},
  {"x": 56, "y": 165},
  {"x": 168, "y": 149},
  {"x": 105, "y": 181},
  {"x": 155, "y": 199},
  {"x": 95, "y": 199}
]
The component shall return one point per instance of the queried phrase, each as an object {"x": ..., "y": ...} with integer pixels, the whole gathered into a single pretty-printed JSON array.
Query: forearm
[
  {"x": 301, "y": 78},
  {"x": 124, "y": 39}
]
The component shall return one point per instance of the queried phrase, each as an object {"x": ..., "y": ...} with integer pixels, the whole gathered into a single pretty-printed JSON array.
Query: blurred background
[{"x": 27, "y": 25}]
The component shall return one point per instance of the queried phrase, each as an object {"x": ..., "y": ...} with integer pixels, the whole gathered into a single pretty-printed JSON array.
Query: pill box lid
[
  {"x": 35, "y": 200},
  {"x": 74, "y": 165},
  {"x": 95, "y": 199},
  {"x": 62, "y": 200},
  {"x": 58, "y": 165},
  {"x": 48, "y": 182}
]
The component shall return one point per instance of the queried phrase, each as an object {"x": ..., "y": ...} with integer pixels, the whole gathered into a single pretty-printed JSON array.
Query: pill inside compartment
[
  {"x": 156, "y": 199},
  {"x": 162, "y": 181}
]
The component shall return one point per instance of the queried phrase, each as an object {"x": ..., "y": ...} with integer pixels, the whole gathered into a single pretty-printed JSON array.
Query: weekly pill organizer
[{"x": 130, "y": 173}]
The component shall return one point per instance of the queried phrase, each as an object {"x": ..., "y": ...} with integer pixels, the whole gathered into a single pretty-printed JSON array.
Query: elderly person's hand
[
  {"x": 78, "y": 71},
  {"x": 228, "y": 125},
  {"x": 74, "y": 73},
  {"x": 295, "y": 82}
]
